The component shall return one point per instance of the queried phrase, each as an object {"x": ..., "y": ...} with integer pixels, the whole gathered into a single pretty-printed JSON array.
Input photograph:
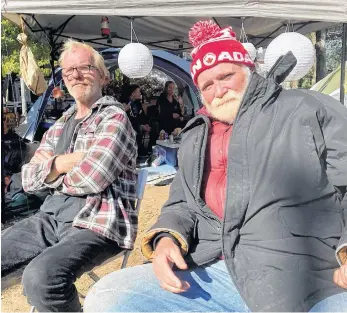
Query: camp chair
[{"x": 140, "y": 189}]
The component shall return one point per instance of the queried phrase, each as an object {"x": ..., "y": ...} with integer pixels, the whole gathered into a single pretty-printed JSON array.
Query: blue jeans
[
  {"x": 336, "y": 303},
  {"x": 136, "y": 289}
]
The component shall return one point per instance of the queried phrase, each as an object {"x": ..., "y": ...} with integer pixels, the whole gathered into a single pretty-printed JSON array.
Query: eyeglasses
[{"x": 82, "y": 69}]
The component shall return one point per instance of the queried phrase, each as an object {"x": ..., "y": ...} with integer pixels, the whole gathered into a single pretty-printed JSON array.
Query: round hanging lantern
[
  {"x": 105, "y": 27},
  {"x": 135, "y": 60},
  {"x": 299, "y": 45},
  {"x": 252, "y": 51}
]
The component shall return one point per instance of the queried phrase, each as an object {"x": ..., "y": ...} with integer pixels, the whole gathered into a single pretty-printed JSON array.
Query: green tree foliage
[
  {"x": 334, "y": 47},
  {"x": 10, "y": 49}
]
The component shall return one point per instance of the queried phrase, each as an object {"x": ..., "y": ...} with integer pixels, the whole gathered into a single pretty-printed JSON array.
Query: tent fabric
[
  {"x": 336, "y": 95},
  {"x": 28, "y": 130},
  {"x": 331, "y": 82},
  {"x": 318, "y": 10},
  {"x": 164, "y": 24},
  {"x": 165, "y": 33}
]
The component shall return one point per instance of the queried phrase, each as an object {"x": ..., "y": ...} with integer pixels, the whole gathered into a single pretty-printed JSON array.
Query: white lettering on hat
[
  {"x": 209, "y": 59},
  {"x": 197, "y": 66},
  {"x": 225, "y": 56},
  {"x": 238, "y": 56}
]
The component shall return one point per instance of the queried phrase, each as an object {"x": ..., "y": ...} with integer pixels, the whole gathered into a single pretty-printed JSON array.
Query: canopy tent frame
[
  {"x": 54, "y": 34},
  {"x": 58, "y": 33},
  {"x": 343, "y": 63}
]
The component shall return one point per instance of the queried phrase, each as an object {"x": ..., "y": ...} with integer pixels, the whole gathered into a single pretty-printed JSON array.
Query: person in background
[
  {"x": 148, "y": 125},
  {"x": 170, "y": 115},
  {"x": 131, "y": 99}
]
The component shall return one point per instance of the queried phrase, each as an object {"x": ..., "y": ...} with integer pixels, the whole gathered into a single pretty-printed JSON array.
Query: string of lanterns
[{"x": 135, "y": 60}]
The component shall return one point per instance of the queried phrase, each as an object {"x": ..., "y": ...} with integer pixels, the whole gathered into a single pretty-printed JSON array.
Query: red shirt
[{"x": 215, "y": 168}]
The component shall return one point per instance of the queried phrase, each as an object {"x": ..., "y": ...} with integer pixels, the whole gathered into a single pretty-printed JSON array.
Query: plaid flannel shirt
[{"x": 106, "y": 175}]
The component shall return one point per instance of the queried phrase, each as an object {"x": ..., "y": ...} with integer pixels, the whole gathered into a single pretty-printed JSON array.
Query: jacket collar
[
  {"x": 102, "y": 102},
  {"x": 261, "y": 90}
]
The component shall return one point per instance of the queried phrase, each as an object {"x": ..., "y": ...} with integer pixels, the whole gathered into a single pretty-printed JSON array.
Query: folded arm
[
  {"x": 110, "y": 154},
  {"x": 36, "y": 171}
]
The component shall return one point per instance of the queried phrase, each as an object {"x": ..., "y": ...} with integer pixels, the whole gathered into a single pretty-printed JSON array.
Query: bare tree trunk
[{"x": 321, "y": 55}]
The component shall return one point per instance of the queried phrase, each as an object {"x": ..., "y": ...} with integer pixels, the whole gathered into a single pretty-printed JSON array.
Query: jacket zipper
[{"x": 226, "y": 196}]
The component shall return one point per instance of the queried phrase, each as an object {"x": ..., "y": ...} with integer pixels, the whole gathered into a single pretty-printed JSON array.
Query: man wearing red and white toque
[{"x": 256, "y": 217}]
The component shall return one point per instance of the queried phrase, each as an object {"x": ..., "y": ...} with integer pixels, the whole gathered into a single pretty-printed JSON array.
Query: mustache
[{"x": 229, "y": 96}]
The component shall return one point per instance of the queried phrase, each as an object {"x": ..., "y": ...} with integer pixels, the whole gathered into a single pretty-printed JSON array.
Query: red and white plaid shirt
[{"x": 106, "y": 175}]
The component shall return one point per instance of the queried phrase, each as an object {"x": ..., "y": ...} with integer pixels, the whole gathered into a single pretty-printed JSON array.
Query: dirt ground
[{"x": 12, "y": 299}]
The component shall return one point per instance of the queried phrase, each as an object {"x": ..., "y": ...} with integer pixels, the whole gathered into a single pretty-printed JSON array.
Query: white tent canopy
[
  {"x": 319, "y": 10},
  {"x": 164, "y": 24}
]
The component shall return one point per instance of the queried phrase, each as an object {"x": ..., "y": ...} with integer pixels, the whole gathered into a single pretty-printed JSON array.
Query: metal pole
[
  {"x": 343, "y": 63},
  {"x": 24, "y": 99},
  {"x": 2, "y": 166},
  {"x": 51, "y": 43}
]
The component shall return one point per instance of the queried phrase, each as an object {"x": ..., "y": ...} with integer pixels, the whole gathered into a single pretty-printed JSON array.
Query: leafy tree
[
  {"x": 334, "y": 47},
  {"x": 10, "y": 49}
]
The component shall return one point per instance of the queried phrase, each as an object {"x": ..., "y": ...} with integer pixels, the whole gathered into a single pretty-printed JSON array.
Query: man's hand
[
  {"x": 127, "y": 107},
  {"x": 64, "y": 164},
  {"x": 175, "y": 115},
  {"x": 167, "y": 254},
  {"x": 180, "y": 100},
  {"x": 146, "y": 128},
  {"x": 340, "y": 276}
]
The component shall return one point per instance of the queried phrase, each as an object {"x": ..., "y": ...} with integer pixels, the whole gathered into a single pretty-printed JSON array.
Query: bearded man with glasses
[{"x": 87, "y": 160}]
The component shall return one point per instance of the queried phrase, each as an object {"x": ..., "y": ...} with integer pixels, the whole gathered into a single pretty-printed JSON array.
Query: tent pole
[
  {"x": 343, "y": 63},
  {"x": 3, "y": 184},
  {"x": 52, "y": 45}
]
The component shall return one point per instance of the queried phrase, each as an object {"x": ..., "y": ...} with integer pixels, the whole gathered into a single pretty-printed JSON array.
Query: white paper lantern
[
  {"x": 252, "y": 51},
  {"x": 299, "y": 45},
  {"x": 135, "y": 60}
]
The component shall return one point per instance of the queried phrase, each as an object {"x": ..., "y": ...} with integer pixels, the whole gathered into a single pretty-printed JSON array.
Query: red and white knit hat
[{"x": 213, "y": 45}]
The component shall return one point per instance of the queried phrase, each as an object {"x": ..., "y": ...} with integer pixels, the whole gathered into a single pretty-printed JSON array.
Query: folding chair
[{"x": 140, "y": 190}]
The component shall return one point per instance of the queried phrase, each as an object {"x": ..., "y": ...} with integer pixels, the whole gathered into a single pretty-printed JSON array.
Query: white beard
[
  {"x": 82, "y": 95},
  {"x": 225, "y": 109}
]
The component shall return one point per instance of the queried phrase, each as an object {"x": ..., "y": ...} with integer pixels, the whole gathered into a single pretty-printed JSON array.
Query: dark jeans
[{"x": 58, "y": 255}]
